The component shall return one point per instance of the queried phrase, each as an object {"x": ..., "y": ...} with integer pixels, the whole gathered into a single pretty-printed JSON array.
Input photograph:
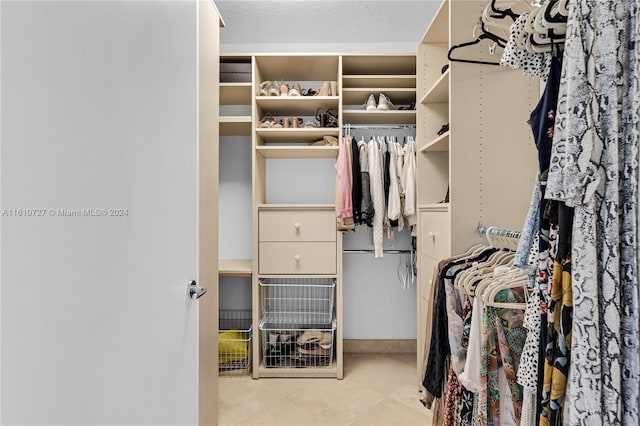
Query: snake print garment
[{"x": 594, "y": 168}]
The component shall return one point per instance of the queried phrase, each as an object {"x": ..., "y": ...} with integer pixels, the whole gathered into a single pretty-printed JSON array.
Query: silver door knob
[{"x": 195, "y": 291}]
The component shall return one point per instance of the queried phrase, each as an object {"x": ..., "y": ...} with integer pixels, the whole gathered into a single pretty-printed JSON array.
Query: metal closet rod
[
  {"x": 377, "y": 126},
  {"x": 498, "y": 231},
  {"x": 390, "y": 251}
]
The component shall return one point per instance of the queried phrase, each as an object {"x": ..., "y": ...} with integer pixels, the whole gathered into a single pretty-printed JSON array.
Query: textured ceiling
[{"x": 322, "y": 25}]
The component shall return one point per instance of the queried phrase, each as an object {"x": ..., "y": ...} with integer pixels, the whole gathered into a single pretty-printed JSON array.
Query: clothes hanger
[
  {"x": 503, "y": 12},
  {"x": 485, "y": 35},
  {"x": 552, "y": 12}
]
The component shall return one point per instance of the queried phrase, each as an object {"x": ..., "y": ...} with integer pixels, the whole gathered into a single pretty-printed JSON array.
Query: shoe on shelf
[
  {"x": 296, "y": 122},
  {"x": 334, "y": 88},
  {"x": 324, "y": 89},
  {"x": 371, "y": 104},
  {"x": 269, "y": 88},
  {"x": 443, "y": 129},
  {"x": 262, "y": 90},
  {"x": 286, "y": 123},
  {"x": 295, "y": 90},
  {"x": 411, "y": 106},
  {"x": 384, "y": 103},
  {"x": 267, "y": 121},
  {"x": 284, "y": 90}
]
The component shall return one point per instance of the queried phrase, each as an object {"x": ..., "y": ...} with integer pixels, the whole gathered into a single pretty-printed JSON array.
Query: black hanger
[
  {"x": 502, "y": 13},
  {"x": 486, "y": 35}
]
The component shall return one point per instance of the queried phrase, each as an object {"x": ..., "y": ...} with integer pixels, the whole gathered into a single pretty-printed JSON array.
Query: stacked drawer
[
  {"x": 297, "y": 241},
  {"x": 297, "y": 250}
]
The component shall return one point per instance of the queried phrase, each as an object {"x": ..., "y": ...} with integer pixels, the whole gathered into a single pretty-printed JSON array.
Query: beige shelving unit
[
  {"x": 391, "y": 74},
  {"x": 486, "y": 159},
  {"x": 238, "y": 96},
  {"x": 300, "y": 240},
  {"x": 293, "y": 240}
]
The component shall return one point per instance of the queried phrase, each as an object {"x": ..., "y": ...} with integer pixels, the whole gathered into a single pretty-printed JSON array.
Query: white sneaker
[
  {"x": 384, "y": 103},
  {"x": 371, "y": 103}
]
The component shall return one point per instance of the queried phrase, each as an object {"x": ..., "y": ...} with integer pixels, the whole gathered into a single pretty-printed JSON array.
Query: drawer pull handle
[
  {"x": 432, "y": 235},
  {"x": 297, "y": 226},
  {"x": 296, "y": 258}
]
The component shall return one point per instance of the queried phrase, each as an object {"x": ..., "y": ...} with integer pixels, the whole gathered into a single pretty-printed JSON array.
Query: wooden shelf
[
  {"x": 437, "y": 207},
  {"x": 235, "y": 268},
  {"x": 298, "y": 105},
  {"x": 379, "y": 117},
  {"x": 439, "y": 92},
  {"x": 358, "y": 96},
  {"x": 382, "y": 63},
  {"x": 235, "y": 94},
  {"x": 296, "y": 135},
  {"x": 380, "y": 80},
  {"x": 317, "y": 67},
  {"x": 439, "y": 144},
  {"x": 300, "y": 152},
  {"x": 438, "y": 30},
  {"x": 235, "y": 125}
]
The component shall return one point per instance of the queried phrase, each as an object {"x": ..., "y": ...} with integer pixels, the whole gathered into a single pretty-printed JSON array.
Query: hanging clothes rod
[
  {"x": 365, "y": 251},
  {"x": 497, "y": 231},
  {"x": 378, "y": 126}
]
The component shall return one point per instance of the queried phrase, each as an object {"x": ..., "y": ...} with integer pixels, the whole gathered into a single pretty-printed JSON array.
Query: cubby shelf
[
  {"x": 296, "y": 135},
  {"x": 298, "y": 105},
  {"x": 235, "y": 93},
  {"x": 358, "y": 96},
  {"x": 439, "y": 144},
  {"x": 439, "y": 92},
  {"x": 298, "y": 151},
  {"x": 379, "y": 80},
  {"x": 438, "y": 30},
  {"x": 235, "y": 268},
  {"x": 235, "y": 125},
  {"x": 379, "y": 117}
]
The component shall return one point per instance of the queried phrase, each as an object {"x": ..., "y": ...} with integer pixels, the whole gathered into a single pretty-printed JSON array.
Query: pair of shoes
[
  {"x": 294, "y": 90},
  {"x": 443, "y": 129},
  {"x": 383, "y": 104},
  {"x": 270, "y": 88},
  {"x": 328, "y": 88},
  {"x": 327, "y": 118},
  {"x": 268, "y": 122},
  {"x": 326, "y": 141},
  {"x": 294, "y": 122}
]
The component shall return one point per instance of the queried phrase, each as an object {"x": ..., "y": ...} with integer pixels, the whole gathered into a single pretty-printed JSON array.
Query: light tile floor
[{"x": 378, "y": 389}]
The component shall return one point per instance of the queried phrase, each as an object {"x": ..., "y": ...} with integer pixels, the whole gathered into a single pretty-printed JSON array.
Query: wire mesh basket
[
  {"x": 297, "y": 301},
  {"x": 297, "y": 347},
  {"x": 234, "y": 342}
]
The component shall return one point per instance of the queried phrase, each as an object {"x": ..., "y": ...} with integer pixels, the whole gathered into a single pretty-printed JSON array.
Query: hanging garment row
[
  {"x": 376, "y": 186},
  {"x": 580, "y": 363},
  {"x": 476, "y": 332}
]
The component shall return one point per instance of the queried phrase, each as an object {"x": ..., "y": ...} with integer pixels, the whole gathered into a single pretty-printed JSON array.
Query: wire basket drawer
[
  {"x": 297, "y": 301},
  {"x": 284, "y": 347},
  {"x": 234, "y": 342}
]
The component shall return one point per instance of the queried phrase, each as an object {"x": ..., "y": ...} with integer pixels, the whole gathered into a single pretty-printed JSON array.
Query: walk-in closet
[
  {"x": 398, "y": 216},
  {"x": 305, "y": 212}
]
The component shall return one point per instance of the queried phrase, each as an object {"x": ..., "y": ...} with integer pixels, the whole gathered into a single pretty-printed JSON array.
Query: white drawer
[
  {"x": 296, "y": 225},
  {"x": 436, "y": 234},
  {"x": 297, "y": 258}
]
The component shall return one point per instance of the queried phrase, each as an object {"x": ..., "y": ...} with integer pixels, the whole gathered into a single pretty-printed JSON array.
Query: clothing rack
[
  {"x": 379, "y": 126},
  {"x": 495, "y": 231},
  {"x": 364, "y": 251}
]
